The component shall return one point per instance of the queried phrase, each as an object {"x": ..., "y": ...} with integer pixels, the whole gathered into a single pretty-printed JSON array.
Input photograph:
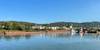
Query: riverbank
[{"x": 13, "y": 33}]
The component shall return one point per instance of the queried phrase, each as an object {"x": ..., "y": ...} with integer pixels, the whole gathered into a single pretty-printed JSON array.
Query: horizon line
[{"x": 48, "y": 22}]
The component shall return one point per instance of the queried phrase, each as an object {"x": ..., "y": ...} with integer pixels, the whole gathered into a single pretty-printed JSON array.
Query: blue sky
[{"x": 47, "y": 11}]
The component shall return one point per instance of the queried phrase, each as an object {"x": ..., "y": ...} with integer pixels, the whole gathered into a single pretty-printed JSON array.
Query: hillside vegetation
[{"x": 26, "y": 26}]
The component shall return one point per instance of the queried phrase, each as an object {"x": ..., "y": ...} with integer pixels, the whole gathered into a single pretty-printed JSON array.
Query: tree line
[
  {"x": 26, "y": 26},
  {"x": 13, "y": 25}
]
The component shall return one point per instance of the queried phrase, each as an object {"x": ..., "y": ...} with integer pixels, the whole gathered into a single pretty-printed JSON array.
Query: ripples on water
[{"x": 50, "y": 42}]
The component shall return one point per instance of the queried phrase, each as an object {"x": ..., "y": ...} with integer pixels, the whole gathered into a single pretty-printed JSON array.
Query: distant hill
[
  {"x": 2, "y": 22},
  {"x": 75, "y": 24},
  {"x": 62, "y": 24}
]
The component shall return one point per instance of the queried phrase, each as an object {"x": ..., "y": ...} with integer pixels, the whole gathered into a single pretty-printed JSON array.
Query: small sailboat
[{"x": 73, "y": 32}]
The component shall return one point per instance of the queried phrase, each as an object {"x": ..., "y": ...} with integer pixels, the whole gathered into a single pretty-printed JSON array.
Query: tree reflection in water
[
  {"x": 67, "y": 36},
  {"x": 8, "y": 38},
  {"x": 1, "y": 37},
  {"x": 17, "y": 37},
  {"x": 28, "y": 36}
]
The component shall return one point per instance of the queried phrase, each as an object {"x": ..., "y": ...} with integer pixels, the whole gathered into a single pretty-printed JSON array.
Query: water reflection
[
  {"x": 7, "y": 37},
  {"x": 27, "y": 36},
  {"x": 61, "y": 35},
  {"x": 86, "y": 36},
  {"x": 53, "y": 41},
  {"x": 58, "y": 35},
  {"x": 15, "y": 37}
]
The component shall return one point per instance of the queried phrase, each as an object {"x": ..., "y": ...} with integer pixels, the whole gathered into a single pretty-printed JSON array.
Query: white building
[
  {"x": 54, "y": 28},
  {"x": 38, "y": 27}
]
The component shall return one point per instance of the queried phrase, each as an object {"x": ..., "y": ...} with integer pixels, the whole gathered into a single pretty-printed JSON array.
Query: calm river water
[{"x": 50, "y": 42}]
